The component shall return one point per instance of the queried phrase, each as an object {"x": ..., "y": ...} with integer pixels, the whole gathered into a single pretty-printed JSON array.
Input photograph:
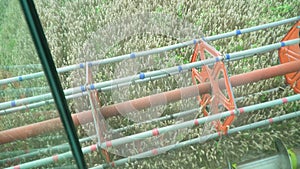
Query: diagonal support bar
[{"x": 49, "y": 68}]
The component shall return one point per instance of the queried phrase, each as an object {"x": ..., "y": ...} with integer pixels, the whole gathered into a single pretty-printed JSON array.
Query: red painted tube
[{"x": 23, "y": 132}]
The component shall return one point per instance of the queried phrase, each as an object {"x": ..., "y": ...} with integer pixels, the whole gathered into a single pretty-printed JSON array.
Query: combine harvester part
[
  {"x": 141, "y": 103},
  {"x": 290, "y": 54},
  {"x": 283, "y": 159},
  {"x": 156, "y": 151},
  {"x": 212, "y": 86},
  {"x": 98, "y": 118},
  {"x": 141, "y": 76},
  {"x": 42, "y": 48},
  {"x": 213, "y": 75},
  {"x": 151, "y": 51}
]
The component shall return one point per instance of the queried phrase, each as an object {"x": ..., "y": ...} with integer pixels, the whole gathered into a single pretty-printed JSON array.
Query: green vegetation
[{"x": 79, "y": 31}]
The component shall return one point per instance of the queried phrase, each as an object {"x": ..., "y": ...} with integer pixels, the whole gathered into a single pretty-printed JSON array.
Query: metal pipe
[
  {"x": 187, "y": 112},
  {"x": 157, "y": 151},
  {"x": 31, "y": 130},
  {"x": 176, "y": 95},
  {"x": 198, "y": 140},
  {"x": 153, "y": 51},
  {"x": 38, "y": 104},
  {"x": 22, "y": 155},
  {"x": 30, "y": 66},
  {"x": 73, "y": 96},
  {"x": 8, "y": 154},
  {"x": 168, "y": 71},
  {"x": 54, "y": 158},
  {"x": 260, "y": 93},
  {"x": 31, "y": 153},
  {"x": 25, "y": 90},
  {"x": 196, "y": 122}
]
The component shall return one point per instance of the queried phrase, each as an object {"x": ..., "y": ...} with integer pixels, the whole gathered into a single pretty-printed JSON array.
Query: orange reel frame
[
  {"x": 212, "y": 75},
  {"x": 100, "y": 125},
  {"x": 290, "y": 54}
]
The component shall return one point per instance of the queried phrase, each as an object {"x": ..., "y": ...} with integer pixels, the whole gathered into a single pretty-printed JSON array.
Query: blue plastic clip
[
  {"x": 238, "y": 32},
  {"x": 92, "y": 86},
  {"x": 82, "y": 88},
  {"x": 13, "y": 103},
  {"x": 195, "y": 41},
  {"x": 142, "y": 75},
  {"x": 81, "y": 65},
  {"x": 20, "y": 78},
  {"x": 132, "y": 55},
  {"x": 227, "y": 56},
  {"x": 180, "y": 68}
]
